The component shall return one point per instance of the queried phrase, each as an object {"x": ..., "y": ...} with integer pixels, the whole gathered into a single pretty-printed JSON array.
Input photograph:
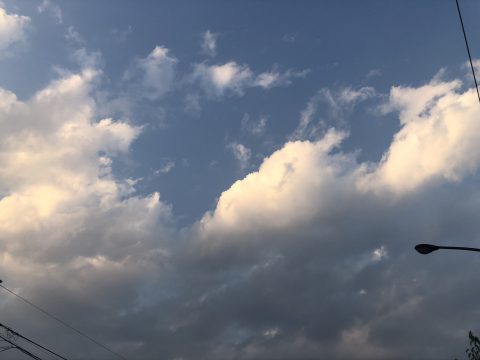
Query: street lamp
[{"x": 428, "y": 248}]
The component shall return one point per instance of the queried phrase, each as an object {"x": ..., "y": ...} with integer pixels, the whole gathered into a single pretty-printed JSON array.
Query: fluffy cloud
[
  {"x": 156, "y": 71},
  {"x": 316, "y": 231},
  {"x": 217, "y": 79},
  {"x": 310, "y": 256},
  {"x": 12, "y": 28},
  {"x": 55, "y": 161},
  {"x": 233, "y": 78},
  {"x": 64, "y": 217},
  {"x": 438, "y": 139}
]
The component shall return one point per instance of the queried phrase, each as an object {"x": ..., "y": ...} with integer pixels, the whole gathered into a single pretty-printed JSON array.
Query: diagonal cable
[
  {"x": 18, "y": 347},
  {"x": 63, "y": 323},
  {"x": 468, "y": 49},
  {"x": 49, "y": 352}
]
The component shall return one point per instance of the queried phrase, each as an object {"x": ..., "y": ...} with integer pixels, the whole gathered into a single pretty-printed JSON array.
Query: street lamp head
[{"x": 426, "y": 248}]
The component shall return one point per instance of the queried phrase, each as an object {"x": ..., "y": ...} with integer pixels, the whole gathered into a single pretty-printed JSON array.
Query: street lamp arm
[
  {"x": 459, "y": 248},
  {"x": 428, "y": 248}
]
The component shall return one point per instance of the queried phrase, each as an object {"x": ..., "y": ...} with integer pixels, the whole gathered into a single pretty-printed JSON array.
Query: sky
[{"x": 240, "y": 179}]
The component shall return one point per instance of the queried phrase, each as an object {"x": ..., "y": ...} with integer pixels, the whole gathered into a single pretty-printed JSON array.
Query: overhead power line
[
  {"x": 18, "y": 347},
  {"x": 468, "y": 49},
  {"x": 63, "y": 323},
  {"x": 48, "y": 351}
]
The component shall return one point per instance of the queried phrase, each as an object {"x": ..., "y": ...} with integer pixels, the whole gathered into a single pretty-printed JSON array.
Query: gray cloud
[{"x": 310, "y": 256}]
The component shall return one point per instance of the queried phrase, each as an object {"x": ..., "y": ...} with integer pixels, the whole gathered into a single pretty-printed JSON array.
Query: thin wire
[
  {"x": 64, "y": 323},
  {"x": 18, "y": 347},
  {"x": 50, "y": 352},
  {"x": 468, "y": 49},
  {"x": 47, "y": 353}
]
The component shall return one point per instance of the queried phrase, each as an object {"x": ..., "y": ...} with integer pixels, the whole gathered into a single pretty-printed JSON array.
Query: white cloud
[
  {"x": 166, "y": 168},
  {"x": 268, "y": 80},
  {"x": 306, "y": 127},
  {"x": 69, "y": 228},
  {"x": 218, "y": 79},
  {"x": 331, "y": 219},
  {"x": 308, "y": 230},
  {"x": 55, "y": 161},
  {"x": 339, "y": 105},
  {"x": 349, "y": 95},
  {"x": 156, "y": 71},
  {"x": 12, "y": 28},
  {"x": 231, "y": 77},
  {"x": 379, "y": 254},
  {"x": 281, "y": 191},
  {"x": 48, "y": 5},
  {"x": 438, "y": 139},
  {"x": 241, "y": 153},
  {"x": 209, "y": 43}
]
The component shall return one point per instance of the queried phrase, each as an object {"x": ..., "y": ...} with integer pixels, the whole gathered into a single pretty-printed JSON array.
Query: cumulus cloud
[
  {"x": 209, "y": 43},
  {"x": 12, "y": 28},
  {"x": 51, "y": 162},
  {"x": 314, "y": 215},
  {"x": 274, "y": 184},
  {"x": 64, "y": 217},
  {"x": 234, "y": 78},
  {"x": 156, "y": 71},
  {"x": 309, "y": 256},
  {"x": 438, "y": 139}
]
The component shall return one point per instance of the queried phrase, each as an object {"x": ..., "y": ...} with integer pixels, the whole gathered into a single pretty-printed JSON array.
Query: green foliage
[{"x": 473, "y": 352}]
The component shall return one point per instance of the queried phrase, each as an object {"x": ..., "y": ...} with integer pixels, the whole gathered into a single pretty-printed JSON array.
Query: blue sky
[
  {"x": 338, "y": 45},
  {"x": 240, "y": 179}
]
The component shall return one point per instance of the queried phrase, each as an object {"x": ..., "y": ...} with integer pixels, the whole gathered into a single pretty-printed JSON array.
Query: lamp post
[{"x": 425, "y": 249}]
